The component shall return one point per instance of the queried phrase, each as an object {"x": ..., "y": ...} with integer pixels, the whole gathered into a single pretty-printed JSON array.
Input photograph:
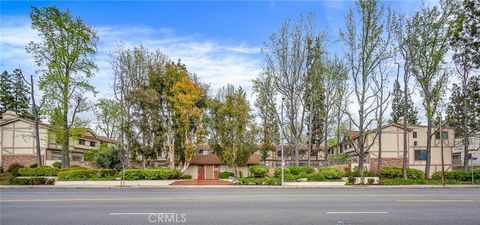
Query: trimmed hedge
[
  {"x": 457, "y": 175},
  {"x": 225, "y": 175},
  {"x": 259, "y": 181},
  {"x": 331, "y": 173},
  {"x": 44, "y": 171},
  {"x": 152, "y": 174},
  {"x": 297, "y": 170},
  {"x": 316, "y": 177},
  {"x": 356, "y": 173},
  {"x": 84, "y": 174},
  {"x": 393, "y": 172},
  {"x": 32, "y": 181},
  {"x": 187, "y": 177},
  {"x": 401, "y": 181},
  {"x": 259, "y": 170},
  {"x": 13, "y": 169}
]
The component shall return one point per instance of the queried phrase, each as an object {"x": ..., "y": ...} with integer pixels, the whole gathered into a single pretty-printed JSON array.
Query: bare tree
[
  {"x": 367, "y": 40},
  {"x": 382, "y": 102}
]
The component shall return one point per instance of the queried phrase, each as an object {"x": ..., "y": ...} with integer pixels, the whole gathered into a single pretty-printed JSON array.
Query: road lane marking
[
  {"x": 357, "y": 212},
  {"x": 433, "y": 200}
]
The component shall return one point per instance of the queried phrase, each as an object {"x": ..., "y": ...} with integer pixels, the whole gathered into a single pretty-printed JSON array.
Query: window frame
[{"x": 419, "y": 158}]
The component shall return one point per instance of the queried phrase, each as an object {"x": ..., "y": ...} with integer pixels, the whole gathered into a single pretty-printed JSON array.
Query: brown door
[
  {"x": 201, "y": 172},
  {"x": 216, "y": 172}
]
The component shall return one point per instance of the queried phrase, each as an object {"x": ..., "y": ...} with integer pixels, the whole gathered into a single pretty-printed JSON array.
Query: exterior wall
[
  {"x": 18, "y": 139},
  {"x": 473, "y": 148},
  {"x": 392, "y": 148},
  {"x": 192, "y": 170}
]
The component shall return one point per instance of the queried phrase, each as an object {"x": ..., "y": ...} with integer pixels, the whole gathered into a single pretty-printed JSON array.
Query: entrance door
[{"x": 201, "y": 172}]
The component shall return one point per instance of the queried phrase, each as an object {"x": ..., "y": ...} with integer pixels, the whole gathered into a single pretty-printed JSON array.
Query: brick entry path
[{"x": 201, "y": 182}]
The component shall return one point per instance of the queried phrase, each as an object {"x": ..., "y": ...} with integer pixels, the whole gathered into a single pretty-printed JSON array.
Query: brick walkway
[{"x": 201, "y": 182}]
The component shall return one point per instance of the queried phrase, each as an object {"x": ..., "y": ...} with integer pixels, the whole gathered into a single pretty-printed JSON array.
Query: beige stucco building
[
  {"x": 392, "y": 147},
  {"x": 17, "y": 143}
]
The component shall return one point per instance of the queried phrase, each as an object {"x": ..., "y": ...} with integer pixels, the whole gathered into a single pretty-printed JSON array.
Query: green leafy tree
[
  {"x": 14, "y": 94},
  {"x": 465, "y": 43},
  {"x": 430, "y": 34},
  {"x": 455, "y": 116},
  {"x": 64, "y": 55},
  {"x": 399, "y": 105},
  {"x": 108, "y": 113},
  {"x": 106, "y": 156},
  {"x": 231, "y": 138}
]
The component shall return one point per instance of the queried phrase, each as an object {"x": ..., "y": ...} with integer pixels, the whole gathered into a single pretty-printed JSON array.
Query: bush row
[
  {"x": 259, "y": 171},
  {"x": 457, "y": 175},
  {"x": 393, "y": 172},
  {"x": 32, "y": 181},
  {"x": 225, "y": 175},
  {"x": 84, "y": 174},
  {"x": 39, "y": 171},
  {"x": 259, "y": 181},
  {"x": 152, "y": 174},
  {"x": 401, "y": 181}
]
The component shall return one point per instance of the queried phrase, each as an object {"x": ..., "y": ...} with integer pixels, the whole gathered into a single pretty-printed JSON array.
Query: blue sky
[{"x": 220, "y": 41}]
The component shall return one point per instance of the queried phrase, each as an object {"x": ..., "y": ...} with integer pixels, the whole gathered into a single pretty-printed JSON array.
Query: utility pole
[{"x": 281, "y": 143}]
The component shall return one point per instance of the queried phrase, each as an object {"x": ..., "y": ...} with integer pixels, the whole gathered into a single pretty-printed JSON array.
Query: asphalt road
[{"x": 239, "y": 206}]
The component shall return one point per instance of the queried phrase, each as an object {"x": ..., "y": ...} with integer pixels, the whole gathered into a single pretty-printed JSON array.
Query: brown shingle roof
[{"x": 205, "y": 160}]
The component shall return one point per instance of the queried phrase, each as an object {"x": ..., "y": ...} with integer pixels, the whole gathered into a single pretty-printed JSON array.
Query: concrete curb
[{"x": 242, "y": 187}]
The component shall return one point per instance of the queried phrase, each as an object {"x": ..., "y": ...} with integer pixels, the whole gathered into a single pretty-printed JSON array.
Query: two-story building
[
  {"x": 18, "y": 144},
  {"x": 473, "y": 152},
  {"x": 392, "y": 147}
]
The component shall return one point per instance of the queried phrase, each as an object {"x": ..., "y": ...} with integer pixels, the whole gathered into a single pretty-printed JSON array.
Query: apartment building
[
  {"x": 473, "y": 152},
  {"x": 392, "y": 147},
  {"x": 18, "y": 145}
]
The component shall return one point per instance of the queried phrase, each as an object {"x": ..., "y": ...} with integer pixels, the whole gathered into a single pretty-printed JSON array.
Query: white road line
[{"x": 357, "y": 212}]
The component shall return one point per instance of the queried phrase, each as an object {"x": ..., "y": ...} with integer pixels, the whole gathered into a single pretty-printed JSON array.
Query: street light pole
[{"x": 281, "y": 144}]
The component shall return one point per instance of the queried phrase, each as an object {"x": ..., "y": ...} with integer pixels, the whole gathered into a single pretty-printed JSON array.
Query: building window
[
  {"x": 77, "y": 157},
  {"x": 420, "y": 154},
  {"x": 345, "y": 146},
  {"x": 415, "y": 143},
  {"x": 81, "y": 142},
  {"x": 315, "y": 153},
  {"x": 445, "y": 135},
  {"x": 56, "y": 155},
  {"x": 200, "y": 152},
  {"x": 414, "y": 134},
  {"x": 93, "y": 144},
  {"x": 279, "y": 153}
]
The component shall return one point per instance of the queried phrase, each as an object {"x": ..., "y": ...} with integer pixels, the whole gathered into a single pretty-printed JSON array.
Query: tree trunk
[
  {"x": 66, "y": 134},
  {"x": 379, "y": 163},
  {"x": 310, "y": 131},
  {"x": 325, "y": 134},
  {"x": 465, "y": 122},
  {"x": 405, "y": 131},
  {"x": 37, "y": 121},
  {"x": 429, "y": 148}
]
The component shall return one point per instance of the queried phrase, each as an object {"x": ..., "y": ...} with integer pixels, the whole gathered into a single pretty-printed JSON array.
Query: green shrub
[
  {"x": 44, "y": 171},
  {"x": 390, "y": 172},
  {"x": 152, "y": 174},
  {"x": 226, "y": 175},
  {"x": 32, "y": 181},
  {"x": 356, "y": 173},
  {"x": 258, "y": 181},
  {"x": 331, "y": 173},
  {"x": 187, "y": 177},
  {"x": 84, "y": 174},
  {"x": 316, "y": 177},
  {"x": 134, "y": 174},
  {"x": 34, "y": 166},
  {"x": 456, "y": 175},
  {"x": 57, "y": 164},
  {"x": 415, "y": 174},
  {"x": 278, "y": 171},
  {"x": 259, "y": 170},
  {"x": 13, "y": 169},
  {"x": 296, "y": 170},
  {"x": 160, "y": 174},
  {"x": 371, "y": 181}
]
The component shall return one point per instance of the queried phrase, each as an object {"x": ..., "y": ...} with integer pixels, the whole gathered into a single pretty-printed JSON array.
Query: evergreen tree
[
  {"x": 6, "y": 97},
  {"x": 455, "y": 107},
  {"x": 21, "y": 94},
  {"x": 398, "y": 105}
]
